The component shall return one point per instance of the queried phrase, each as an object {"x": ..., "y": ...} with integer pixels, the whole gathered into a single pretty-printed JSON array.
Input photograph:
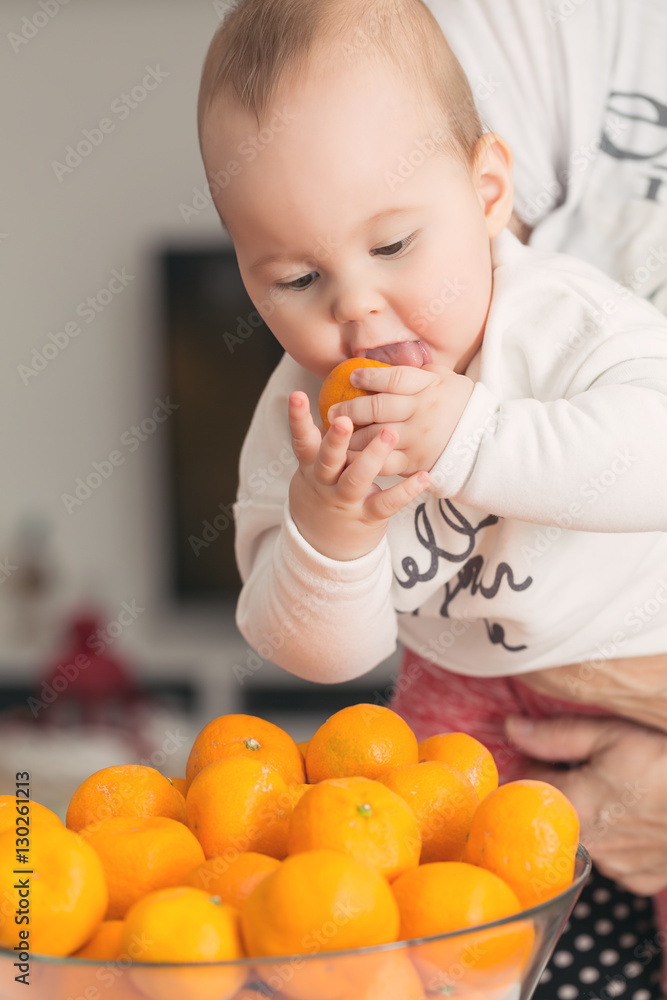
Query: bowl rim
[{"x": 583, "y": 862}]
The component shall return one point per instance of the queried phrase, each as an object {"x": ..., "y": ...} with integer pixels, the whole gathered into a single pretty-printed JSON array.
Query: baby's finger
[
  {"x": 306, "y": 438},
  {"x": 378, "y": 408},
  {"x": 363, "y": 436},
  {"x": 333, "y": 452},
  {"x": 357, "y": 479},
  {"x": 395, "y": 464},
  {"x": 386, "y": 503},
  {"x": 404, "y": 380}
]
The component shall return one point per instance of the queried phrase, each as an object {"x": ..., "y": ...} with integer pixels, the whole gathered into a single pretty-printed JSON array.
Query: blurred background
[{"x": 131, "y": 361}]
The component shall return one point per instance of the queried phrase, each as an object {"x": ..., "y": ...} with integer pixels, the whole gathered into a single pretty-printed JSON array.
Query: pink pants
[{"x": 433, "y": 700}]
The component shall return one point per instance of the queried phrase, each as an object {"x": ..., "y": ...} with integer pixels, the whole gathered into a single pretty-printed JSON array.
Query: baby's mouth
[{"x": 407, "y": 352}]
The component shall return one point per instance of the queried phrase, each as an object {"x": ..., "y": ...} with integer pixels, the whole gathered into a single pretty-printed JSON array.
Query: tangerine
[
  {"x": 527, "y": 832},
  {"x": 360, "y": 740},
  {"x": 233, "y": 878},
  {"x": 123, "y": 790},
  {"x": 451, "y": 896},
  {"x": 140, "y": 855},
  {"x": 65, "y": 886},
  {"x": 246, "y": 736},
  {"x": 184, "y": 925},
  {"x": 465, "y": 753},
  {"x": 337, "y": 387},
  {"x": 13, "y": 808},
  {"x": 362, "y": 819},
  {"x": 390, "y": 976},
  {"x": 105, "y": 942},
  {"x": 237, "y": 804},
  {"x": 444, "y": 802},
  {"x": 180, "y": 784},
  {"x": 316, "y": 901}
]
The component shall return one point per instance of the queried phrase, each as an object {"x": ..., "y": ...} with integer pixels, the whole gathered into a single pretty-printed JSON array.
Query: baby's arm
[{"x": 321, "y": 618}]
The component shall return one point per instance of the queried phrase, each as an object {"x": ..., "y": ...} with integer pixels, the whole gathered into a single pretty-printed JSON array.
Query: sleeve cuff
[{"x": 305, "y": 561}]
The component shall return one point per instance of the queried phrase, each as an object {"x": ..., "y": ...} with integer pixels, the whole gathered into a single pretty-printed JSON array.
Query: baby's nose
[{"x": 356, "y": 302}]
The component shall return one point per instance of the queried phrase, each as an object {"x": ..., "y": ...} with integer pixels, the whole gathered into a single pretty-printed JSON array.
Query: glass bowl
[{"x": 502, "y": 960}]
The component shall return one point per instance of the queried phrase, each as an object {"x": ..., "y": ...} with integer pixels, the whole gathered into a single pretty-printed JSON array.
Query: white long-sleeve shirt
[{"x": 541, "y": 540}]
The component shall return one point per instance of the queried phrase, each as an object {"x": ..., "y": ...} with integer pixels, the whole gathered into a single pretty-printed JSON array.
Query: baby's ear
[{"x": 492, "y": 174}]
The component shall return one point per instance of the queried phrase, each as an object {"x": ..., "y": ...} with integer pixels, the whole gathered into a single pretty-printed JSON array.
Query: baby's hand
[
  {"x": 422, "y": 406},
  {"x": 334, "y": 502}
]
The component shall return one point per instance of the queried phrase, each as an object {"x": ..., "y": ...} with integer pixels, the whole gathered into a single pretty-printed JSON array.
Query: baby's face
[{"x": 378, "y": 244}]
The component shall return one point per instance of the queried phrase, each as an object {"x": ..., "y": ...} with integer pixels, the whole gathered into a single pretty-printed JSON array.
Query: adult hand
[{"x": 619, "y": 789}]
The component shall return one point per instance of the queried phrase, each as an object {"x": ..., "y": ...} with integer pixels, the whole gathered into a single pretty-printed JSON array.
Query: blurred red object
[{"x": 88, "y": 684}]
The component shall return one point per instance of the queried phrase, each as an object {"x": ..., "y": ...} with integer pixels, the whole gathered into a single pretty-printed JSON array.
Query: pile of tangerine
[{"x": 265, "y": 842}]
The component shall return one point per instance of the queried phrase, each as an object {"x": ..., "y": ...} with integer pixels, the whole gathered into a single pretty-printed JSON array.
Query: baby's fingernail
[
  {"x": 354, "y": 376},
  {"x": 387, "y": 436},
  {"x": 331, "y": 414}
]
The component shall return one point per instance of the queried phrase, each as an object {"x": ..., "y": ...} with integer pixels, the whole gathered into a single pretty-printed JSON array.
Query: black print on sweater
[{"x": 469, "y": 576}]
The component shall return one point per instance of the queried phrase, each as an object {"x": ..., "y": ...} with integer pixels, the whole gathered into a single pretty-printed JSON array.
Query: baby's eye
[
  {"x": 393, "y": 249},
  {"x": 305, "y": 281}
]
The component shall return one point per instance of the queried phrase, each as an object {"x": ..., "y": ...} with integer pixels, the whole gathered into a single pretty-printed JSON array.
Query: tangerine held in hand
[{"x": 337, "y": 387}]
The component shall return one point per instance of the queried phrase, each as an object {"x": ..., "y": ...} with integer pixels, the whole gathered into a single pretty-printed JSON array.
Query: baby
[{"x": 498, "y": 503}]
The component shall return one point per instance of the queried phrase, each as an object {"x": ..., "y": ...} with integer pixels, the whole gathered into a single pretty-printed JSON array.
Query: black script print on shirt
[
  {"x": 646, "y": 145},
  {"x": 470, "y": 574}
]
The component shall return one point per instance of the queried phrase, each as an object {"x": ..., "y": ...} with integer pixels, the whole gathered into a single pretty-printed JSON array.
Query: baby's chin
[{"x": 412, "y": 353}]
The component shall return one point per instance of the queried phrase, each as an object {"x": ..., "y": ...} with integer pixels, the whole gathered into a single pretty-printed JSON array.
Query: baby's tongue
[{"x": 407, "y": 352}]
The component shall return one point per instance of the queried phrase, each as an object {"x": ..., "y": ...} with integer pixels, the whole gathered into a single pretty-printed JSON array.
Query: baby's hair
[{"x": 261, "y": 43}]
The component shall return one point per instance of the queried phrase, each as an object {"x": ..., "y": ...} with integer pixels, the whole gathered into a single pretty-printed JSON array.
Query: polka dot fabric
[{"x": 609, "y": 949}]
